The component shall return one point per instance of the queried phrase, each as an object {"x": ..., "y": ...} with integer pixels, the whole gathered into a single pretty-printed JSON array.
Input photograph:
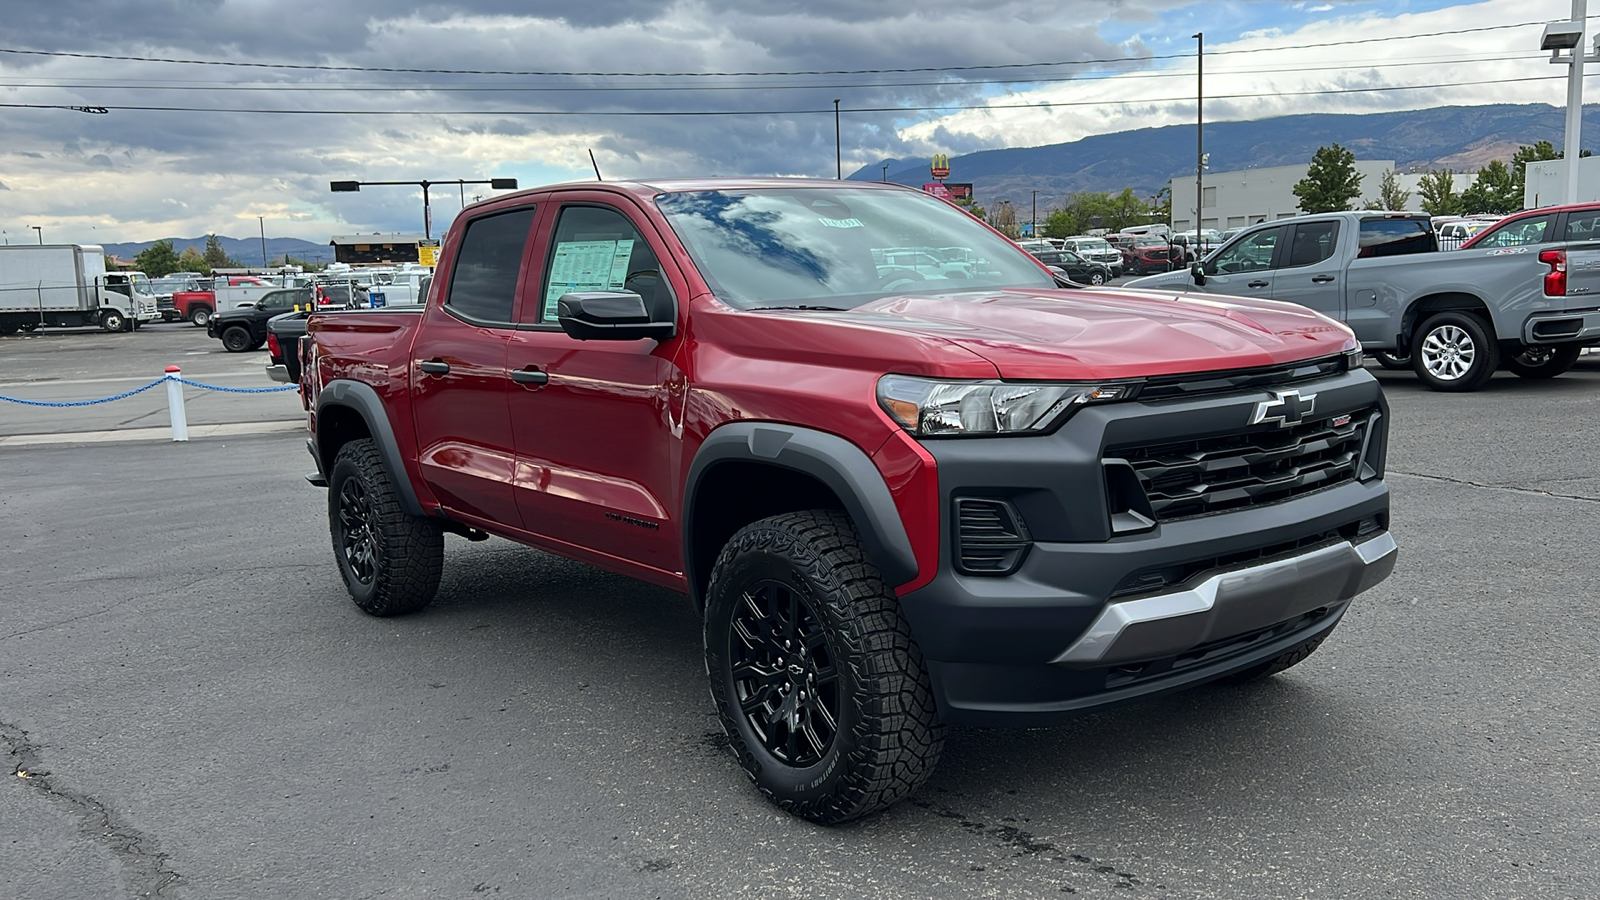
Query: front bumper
[{"x": 1092, "y": 617}]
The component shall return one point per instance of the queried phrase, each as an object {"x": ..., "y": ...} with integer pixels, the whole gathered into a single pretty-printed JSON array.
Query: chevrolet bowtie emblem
[{"x": 1284, "y": 409}]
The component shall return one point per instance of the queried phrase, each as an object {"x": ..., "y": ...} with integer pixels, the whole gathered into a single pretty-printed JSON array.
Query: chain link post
[{"x": 180, "y": 421}]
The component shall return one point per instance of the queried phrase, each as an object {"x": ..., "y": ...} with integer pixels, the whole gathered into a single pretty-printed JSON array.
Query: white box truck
[{"x": 67, "y": 285}]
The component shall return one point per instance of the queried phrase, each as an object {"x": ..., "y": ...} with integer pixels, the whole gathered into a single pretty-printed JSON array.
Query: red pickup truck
[{"x": 902, "y": 496}]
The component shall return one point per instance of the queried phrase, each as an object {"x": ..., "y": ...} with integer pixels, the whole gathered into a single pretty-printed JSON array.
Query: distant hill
[
  {"x": 245, "y": 250},
  {"x": 1459, "y": 137}
]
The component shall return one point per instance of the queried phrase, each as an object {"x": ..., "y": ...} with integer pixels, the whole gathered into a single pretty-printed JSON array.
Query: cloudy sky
[{"x": 222, "y": 111}]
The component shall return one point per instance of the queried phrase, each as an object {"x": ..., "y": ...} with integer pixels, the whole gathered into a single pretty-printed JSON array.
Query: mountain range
[
  {"x": 1463, "y": 138},
  {"x": 246, "y": 250}
]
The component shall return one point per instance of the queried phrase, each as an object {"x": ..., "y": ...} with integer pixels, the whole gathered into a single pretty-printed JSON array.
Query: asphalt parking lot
[{"x": 194, "y": 709}]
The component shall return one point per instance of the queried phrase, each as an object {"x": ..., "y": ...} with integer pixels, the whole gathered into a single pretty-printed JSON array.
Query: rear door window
[
  {"x": 1312, "y": 243},
  {"x": 483, "y": 284},
  {"x": 1532, "y": 230},
  {"x": 1396, "y": 237},
  {"x": 1583, "y": 226}
]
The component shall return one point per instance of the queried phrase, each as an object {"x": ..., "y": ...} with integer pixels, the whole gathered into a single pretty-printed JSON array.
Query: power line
[
  {"x": 787, "y": 112},
  {"x": 972, "y": 68},
  {"x": 423, "y": 87}
]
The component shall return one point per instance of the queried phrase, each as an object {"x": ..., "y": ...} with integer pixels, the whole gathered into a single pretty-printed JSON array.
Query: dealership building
[{"x": 1248, "y": 196}]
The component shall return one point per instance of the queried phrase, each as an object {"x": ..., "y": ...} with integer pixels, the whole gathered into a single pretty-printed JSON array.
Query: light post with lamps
[
  {"x": 39, "y": 229},
  {"x": 1199, "y": 133},
  {"x": 499, "y": 184},
  {"x": 1568, "y": 36}
]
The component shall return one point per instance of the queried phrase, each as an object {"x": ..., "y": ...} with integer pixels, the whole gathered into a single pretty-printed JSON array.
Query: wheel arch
[
  {"x": 350, "y": 410},
  {"x": 1456, "y": 301},
  {"x": 745, "y": 471}
]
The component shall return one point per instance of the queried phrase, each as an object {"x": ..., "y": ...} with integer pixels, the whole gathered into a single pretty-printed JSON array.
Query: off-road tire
[
  {"x": 1454, "y": 352},
  {"x": 113, "y": 321},
  {"x": 1543, "y": 361},
  {"x": 1285, "y": 660},
  {"x": 886, "y": 737},
  {"x": 390, "y": 561},
  {"x": 237, "y": 339},
  {"x": 199, "y": 316},
  {"x": 1392, "y": 360}
]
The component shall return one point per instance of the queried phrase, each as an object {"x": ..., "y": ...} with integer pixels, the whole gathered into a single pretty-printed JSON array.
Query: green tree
[
  {"x": 1438, "y": 191},
  {"x": 1495, "y": 191},
  {"x": 1390, "y": 196},
  {"x": 1331, "y": 181},
  {"x": 157, "y": 260},
  {"x": 193, "y": 260},
  {"x": 1161, "y": 205},
  {"x": 1539, "y": 152},
  {"x": 216, "y": 257}
]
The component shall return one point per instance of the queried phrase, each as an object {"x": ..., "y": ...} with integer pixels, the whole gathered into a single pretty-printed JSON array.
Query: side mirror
[
  {"x": 1198, "y": 270},
  {"x": 609, "y": 316}
]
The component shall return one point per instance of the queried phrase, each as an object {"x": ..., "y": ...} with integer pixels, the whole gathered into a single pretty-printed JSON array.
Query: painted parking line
[{"x": 150, "y": 434}]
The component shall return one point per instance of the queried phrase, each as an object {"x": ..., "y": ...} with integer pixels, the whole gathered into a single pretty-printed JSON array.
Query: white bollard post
[{"x": 180, "y": 421}]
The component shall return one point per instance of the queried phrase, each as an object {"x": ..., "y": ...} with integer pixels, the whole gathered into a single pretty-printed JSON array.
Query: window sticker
[
  {"x": 841, "y": 223},
  {"x": 586, "y": 266}
]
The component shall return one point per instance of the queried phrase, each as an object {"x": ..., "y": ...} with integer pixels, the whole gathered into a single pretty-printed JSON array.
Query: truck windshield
[{"x": 839, "y": 248}]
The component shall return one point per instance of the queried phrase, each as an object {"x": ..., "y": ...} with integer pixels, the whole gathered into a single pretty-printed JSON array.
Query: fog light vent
[{"x": 990, "y": 537}]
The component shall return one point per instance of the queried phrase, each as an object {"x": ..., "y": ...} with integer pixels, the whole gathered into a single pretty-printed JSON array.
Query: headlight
[{"x": 930, "y": 408}]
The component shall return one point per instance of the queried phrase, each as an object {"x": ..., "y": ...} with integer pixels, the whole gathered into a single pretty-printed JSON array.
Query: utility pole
[
  {"x": 262, "y": 222},
  {"x": 886, "y": 172},
  {"x": 838, "y": 157},
  {"x": 1033, "y": 223},
  {"x": 1199, "y": 133},
  {"x": 40, "y": 229}
]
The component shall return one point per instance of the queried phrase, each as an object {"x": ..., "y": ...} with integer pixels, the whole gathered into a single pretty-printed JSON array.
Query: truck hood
[{"x": 1109, "y": 333}]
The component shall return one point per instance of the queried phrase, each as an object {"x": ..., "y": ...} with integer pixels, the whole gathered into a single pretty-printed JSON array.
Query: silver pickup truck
[{"x": 1454, "y": 318}]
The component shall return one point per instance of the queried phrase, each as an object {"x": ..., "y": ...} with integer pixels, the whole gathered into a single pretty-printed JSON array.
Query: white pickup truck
[{"x": 1454, "y": 318}]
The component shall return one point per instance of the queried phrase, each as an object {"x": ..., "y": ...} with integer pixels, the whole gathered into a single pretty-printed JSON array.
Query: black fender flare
[
  {"x": 360, "y": 397},
  {"x": 840, "y": 465}
]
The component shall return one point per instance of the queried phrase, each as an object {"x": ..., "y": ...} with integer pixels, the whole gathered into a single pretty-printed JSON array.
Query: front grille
[{"x": 1214, "y": 474}]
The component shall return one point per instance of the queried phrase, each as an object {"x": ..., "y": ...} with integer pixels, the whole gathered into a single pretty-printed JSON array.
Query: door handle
[
  {"x": 1322, "y": 279},
  {"x": 529, "y": 376},
  {"x": 434, "y": 366},
  {"x": 1256, "y": 284}
]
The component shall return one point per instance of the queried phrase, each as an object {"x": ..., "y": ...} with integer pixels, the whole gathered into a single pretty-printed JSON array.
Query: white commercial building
[
  {"x": 1546, "y": 184},
  {"x": 1248, "y": 196}
]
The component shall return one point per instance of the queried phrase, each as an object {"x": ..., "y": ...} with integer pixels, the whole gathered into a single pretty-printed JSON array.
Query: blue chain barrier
[
  {"x": 218, "y": 387},
  {"x": 82, "y": 402},
  {"x": 139, "y": 390}
]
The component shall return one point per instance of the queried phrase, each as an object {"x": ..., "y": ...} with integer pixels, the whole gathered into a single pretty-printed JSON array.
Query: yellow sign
[{"x": 428, "y": 256}]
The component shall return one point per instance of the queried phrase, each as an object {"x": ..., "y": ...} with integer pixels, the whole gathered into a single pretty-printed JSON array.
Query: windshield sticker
[
  {"x": 841, "y": 223},
  {"x": 586, "y": 266}
]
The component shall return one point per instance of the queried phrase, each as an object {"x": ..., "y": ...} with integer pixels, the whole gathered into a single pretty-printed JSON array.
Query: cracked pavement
[{"x": 202, "y": 713}]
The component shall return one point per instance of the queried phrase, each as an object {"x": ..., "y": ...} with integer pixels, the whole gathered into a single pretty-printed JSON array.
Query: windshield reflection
[{"x": 839, "y": 248}]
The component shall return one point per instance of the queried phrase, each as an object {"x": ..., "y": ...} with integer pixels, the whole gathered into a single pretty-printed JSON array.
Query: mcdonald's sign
[{"x": 941, "y": 166}]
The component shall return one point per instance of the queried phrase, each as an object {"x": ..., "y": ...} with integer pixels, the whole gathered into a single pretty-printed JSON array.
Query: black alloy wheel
[
  {"x": 784, "y": 677},
  {"x": 236, "y": 339},
  {"x": 355, "y": 536}
]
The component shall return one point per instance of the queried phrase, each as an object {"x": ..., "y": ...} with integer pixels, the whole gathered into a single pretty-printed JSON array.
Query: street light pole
[
  {"x": 39, "y": 229},
  {"x": 1033, "y": 223},
  {"x": 1574, "y": 125},
  {"x": 262, "y": 222},
  {"x": 886, "y": 172},
  {"x": 499, "y": 184},
  {"x": 1200, "y": 129}
]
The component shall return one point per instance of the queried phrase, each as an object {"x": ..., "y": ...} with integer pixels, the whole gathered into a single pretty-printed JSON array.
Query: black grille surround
[{"x": 1201, "y": 476}]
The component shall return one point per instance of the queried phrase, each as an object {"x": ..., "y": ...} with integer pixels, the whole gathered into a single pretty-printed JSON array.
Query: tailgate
[{"x": 1583, "y": 275}]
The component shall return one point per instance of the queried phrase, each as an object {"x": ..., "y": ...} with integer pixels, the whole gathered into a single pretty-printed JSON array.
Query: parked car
[
  {"x": 1074, "y": 266},
  {"x": 1096, "y": 249},
  {"x": 894, "y": 507},
  {"x": 1455, "y": 232},
  {"x": 1507, "y": 297},
  {"x": 244, "y": 328},
  {"x": 1145, "y": 254}
]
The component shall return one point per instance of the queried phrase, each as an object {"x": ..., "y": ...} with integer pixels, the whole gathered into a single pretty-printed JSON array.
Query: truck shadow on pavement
[{"x": 1248, "y": 748}]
